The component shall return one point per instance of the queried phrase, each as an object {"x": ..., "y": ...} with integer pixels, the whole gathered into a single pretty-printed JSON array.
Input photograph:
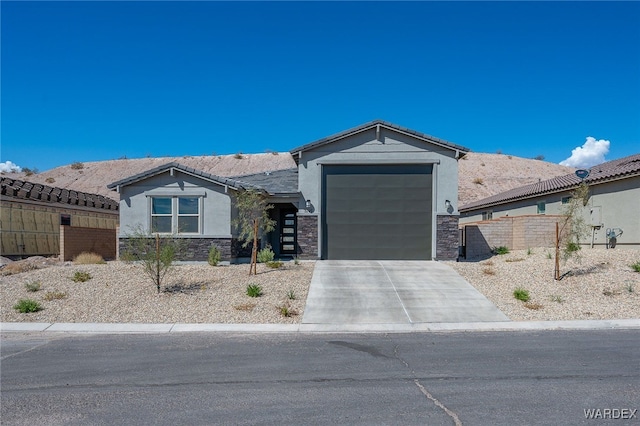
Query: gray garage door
[{"x": 377, "y": 212}]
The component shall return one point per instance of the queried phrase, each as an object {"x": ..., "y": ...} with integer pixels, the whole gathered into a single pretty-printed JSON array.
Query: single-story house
[
  {"x": 376, "y": 191},
  {"x": 612, "y": 210},
  {"x": 34, "y": 217}
]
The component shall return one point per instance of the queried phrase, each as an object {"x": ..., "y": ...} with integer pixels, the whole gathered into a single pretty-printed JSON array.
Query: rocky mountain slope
[{"x": 480, "y": 175}]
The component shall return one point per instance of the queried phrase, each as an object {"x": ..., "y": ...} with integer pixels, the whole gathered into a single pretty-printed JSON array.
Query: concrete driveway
[{"x": 393, "y": 292}]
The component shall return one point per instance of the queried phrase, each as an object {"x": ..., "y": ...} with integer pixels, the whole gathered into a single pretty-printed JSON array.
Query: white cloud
[
  {"x": 588, "y": 155},
  {"x": 8, "y": 166}
]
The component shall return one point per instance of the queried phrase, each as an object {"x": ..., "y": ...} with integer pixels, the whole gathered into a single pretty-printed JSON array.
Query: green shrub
[
  {"x": 529, "y": 251},
  {"x": 265, "y": 255},
  {"x": 285, "y": 311},
  {"x": 500, "y": 250},
  {"x": 556, "y": 298},
  {"x": 254, "y": 290},
  {"x": 33, "y": 286},
  {"x": 81, "y": 276},
  {"x": 275, "y": 264},
  {"x": 127, "y": 257},
  {"x": 54, "y": 295},
  {"x": 214, "y": 256},
  {"x": 630, "y": 288},
  {"x": 521, "y": 294},
  {"x": 291, "y": 295},
  {"x": 636, "y": 266},
  {"x": 26, "y": 306},
  {"x": 77, "y": 165}
]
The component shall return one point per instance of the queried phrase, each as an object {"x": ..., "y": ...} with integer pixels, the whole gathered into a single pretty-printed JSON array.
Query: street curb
[{"x": 133, "y": 328}]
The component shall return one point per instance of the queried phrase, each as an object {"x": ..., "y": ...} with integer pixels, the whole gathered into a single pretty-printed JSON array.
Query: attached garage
[
  {"x": 378, "y": 191},
  {"x": 377, "y": 212}
]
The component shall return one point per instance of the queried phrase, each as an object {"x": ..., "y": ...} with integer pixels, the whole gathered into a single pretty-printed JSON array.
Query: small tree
[
  {"x": 253, "y": 217},
  {"x": 156, "y": 252},
  {"x": 573, "y": 227}
]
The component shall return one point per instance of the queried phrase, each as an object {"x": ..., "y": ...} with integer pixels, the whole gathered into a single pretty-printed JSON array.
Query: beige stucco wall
[{"x": 618, "y": 203}]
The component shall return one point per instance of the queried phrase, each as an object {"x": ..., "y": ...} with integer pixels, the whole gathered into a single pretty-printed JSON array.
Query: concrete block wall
[
  {"x": 517, "y": 233},
  {"x": 75, "y": 240}
]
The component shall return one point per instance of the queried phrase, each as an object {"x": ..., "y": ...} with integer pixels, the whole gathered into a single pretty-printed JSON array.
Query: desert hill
[{"x": 480, "y": 175}]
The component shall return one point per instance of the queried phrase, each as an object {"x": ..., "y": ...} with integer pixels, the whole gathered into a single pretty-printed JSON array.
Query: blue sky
[{"x": 89, "y": 81}]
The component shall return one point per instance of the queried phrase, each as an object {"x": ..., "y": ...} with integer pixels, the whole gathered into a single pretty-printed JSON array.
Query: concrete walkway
[{"x": 393, "y": 292}]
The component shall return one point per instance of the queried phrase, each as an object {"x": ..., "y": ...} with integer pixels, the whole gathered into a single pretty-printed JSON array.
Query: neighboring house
[
  {"x": 613, "y": 206},
  {"x": 377, "y": 191},
  {"x": 33, "y": 218}
]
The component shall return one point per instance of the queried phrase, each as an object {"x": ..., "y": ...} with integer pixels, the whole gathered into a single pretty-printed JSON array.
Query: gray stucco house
[{"x": 376, "y": 191}]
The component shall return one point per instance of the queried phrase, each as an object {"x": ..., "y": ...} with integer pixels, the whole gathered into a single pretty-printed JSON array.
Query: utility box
[{"x": 596, "y": 216}]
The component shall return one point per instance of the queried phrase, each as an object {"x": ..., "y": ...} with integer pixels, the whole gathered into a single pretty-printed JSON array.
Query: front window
[
  {"x": 542, "y": 206},
  {"x": 175, "y": 215}
]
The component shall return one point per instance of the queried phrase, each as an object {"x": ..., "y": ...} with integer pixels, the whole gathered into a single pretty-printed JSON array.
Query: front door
[{"x": 288, "y": 232}]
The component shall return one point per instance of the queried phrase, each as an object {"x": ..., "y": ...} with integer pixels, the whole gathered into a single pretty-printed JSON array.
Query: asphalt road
[{"x": 480, "y": 378}]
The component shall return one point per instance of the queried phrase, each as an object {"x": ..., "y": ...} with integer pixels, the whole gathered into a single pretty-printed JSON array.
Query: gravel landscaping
[
  {"x": 601, "y": 286},
  {"x": 120, "y": 292}
]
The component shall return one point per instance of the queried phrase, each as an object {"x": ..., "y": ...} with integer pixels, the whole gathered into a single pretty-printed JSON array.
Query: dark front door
[{"x": 288, "y": 232}]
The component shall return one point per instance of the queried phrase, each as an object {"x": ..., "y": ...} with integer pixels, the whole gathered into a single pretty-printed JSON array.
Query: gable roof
[
  {"x": 611, "y": 170},
  {"x": 223, "y": 181},
  {"x": 279, "y": 182},
  {"x": 23, "y": 190},
  {"x": 374, "y": 124}
]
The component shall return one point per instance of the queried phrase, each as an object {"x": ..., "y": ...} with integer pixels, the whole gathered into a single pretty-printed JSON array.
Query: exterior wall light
[
  {"x": 307, "y": 204},
  {"x": 447, "y": 204}
]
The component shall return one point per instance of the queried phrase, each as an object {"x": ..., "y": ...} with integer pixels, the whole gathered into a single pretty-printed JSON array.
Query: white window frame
[{"x": 175, "y": 214}]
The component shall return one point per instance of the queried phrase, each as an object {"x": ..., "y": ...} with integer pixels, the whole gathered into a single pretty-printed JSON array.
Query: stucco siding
[
  {"x": 215, "y": 208},
  {"x": 617, "y": 203},
  {"x": 391, "y": 147}
]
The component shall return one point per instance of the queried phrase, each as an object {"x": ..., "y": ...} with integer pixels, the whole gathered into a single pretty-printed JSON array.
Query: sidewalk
[{"x": 117, "y": 328}]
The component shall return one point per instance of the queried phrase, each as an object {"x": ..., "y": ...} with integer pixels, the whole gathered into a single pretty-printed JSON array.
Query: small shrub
[
  {"x": 630, "y": 288},
  {"x": 571, "y": 247},
  {"x": 77, "y": 165},
  {"x": 488, "y": 271},
  {"x": 500, "y": 250},
  {"x": 275, "y": 264},
  {"x": 238, "y": 156},
  {"x": 521, "y": 294},
  {"x": 246, "y": 307},
  {"x": 214, "y": 256},
  {"x": 49, "y": 180},
  {"x": 539, "y": 157},
  {"x": 26, "y": 306},
  {"x": 87, "y": 258},
  {"x": 81, "y": 276},
  {"x": 549, "y": 255},
  {"x": 291, "y": 295},
  {"x": 636, "y": 266},
  {"x": 499, "y": 152},
  {"x": 54, "y": 295},
  {"x": 265, "y": 255},
  {"x": 557, "y": 298},
  {"x": 478, "y": 181},
  {"x": 534, "y": 306},
  {"x": 285, "y": 311},
  {"x": 18, "y": 268},
  {"x": 28, "y": 172},
  {"x": 33, "y": 286},
  {"x": 529, "y": 251},
  {"x": 254, "y": 290},
  {"x": 296, "y": 261}
]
